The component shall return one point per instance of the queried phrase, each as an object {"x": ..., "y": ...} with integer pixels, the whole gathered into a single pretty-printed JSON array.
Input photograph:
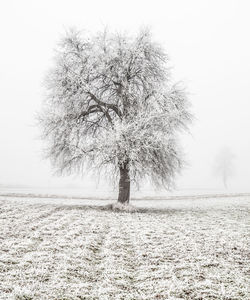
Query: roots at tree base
[{"x": 122, "y": 207}]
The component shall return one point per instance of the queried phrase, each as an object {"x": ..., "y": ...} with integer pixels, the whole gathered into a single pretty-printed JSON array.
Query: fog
[{"x": 208, "y": 45}]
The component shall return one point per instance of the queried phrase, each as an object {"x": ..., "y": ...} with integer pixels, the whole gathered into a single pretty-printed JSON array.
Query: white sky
[{"x": 207, "y": 41}]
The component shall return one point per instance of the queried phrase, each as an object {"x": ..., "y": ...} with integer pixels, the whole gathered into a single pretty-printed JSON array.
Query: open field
[{"x": 74, "y": 249}]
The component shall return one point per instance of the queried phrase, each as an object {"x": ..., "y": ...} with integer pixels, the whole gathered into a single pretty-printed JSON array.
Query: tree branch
[{"x": 104, "y": 104}]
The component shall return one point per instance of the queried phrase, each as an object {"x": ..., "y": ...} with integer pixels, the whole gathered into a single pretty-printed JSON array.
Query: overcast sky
[{"x": 209, "y": 47}]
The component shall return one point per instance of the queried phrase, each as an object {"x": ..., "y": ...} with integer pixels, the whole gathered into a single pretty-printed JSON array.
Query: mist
[{"x": 208, "y": 46}]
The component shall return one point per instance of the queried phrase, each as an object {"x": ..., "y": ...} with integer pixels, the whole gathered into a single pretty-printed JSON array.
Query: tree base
[{"x": 122, "y": 207}]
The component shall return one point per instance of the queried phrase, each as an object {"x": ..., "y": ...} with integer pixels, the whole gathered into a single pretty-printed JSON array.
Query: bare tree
[
  {"x": 111, "y": 106},
  {"x": 224, "y": 165}
]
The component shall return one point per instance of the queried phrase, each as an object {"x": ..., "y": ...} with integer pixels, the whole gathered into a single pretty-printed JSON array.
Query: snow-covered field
[{"x": 193, "y": 248}]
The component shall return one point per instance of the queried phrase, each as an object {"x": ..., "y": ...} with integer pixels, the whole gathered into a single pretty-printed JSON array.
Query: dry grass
[{"x": 195, "y": 249}]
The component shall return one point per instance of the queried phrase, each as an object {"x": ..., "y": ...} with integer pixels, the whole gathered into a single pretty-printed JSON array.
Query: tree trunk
[{"x": 124, "y": 186}]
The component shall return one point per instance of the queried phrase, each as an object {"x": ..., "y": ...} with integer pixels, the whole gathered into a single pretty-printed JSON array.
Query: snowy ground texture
[{"x": 175, "y": 249}]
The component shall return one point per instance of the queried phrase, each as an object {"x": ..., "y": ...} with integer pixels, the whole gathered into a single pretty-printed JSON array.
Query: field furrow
[{"x": 62, "y": 252}]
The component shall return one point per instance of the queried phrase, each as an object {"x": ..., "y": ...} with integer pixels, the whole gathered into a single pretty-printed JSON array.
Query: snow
[{"x": 193, "y": 248}]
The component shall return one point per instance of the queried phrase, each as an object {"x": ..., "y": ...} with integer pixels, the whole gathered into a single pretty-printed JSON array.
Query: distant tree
[
  {"x": 224, "y": 165},
  {"x": 111, "y": 106}
]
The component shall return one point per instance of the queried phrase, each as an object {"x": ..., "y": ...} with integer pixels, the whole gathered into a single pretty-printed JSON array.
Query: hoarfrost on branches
[{"x": 111, "y": 106}]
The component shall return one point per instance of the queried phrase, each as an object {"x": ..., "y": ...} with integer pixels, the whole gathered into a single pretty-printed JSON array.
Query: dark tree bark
[{"x": 124, "y": 185}]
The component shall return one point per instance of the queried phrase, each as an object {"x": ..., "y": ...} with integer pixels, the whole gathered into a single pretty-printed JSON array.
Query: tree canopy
[{"x": 111, "y": 105}]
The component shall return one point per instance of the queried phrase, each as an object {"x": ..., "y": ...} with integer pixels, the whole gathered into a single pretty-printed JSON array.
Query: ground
[{"x": 175, "y": 249}]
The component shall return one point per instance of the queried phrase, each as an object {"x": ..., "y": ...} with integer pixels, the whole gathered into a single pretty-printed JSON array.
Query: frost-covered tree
[{"x": 111, "y": 106}]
